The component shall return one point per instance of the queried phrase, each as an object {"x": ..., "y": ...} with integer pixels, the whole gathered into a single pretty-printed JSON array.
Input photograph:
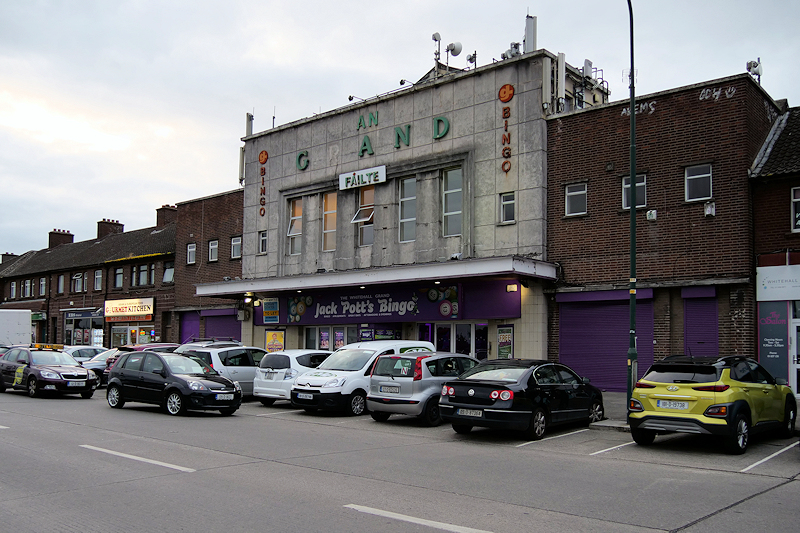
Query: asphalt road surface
[{"x": 70, "y": 464}]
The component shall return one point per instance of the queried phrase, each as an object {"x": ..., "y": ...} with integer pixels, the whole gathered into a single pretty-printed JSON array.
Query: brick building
[{"x": 695, "y": 249}]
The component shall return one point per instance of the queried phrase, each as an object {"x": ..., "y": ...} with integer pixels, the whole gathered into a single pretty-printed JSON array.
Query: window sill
[
  {"x": 579, "y": 215},
  {"x": 509, "y": 223}
]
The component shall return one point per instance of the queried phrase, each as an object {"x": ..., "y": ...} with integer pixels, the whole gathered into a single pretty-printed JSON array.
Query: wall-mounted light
[
  {"x": 710, "y": 209},
  {"x": 511, "y": 287},
  {"x": 436, "y": 282},
  {"x": 248, "y": 299},
  {"x": 256, "y": 303}
]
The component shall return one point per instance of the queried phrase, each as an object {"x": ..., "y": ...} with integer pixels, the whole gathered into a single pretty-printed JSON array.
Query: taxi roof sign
[{"x": 47, "y": 346}]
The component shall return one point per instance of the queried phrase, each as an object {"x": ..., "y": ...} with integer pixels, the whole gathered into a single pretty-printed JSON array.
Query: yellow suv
[{"x": 731, "y": 397}]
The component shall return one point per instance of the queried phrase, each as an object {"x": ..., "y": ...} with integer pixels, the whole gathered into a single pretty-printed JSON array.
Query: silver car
[
  {"x": 277, "y": 370},
  {"x": 410, "y": 384}
]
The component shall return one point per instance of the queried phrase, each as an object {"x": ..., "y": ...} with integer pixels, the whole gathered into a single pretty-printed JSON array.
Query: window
[
  {"x": 295, "y": 231},
  {"x": 42, "y": 286},
  {"x": 262, "y": 242},
  {"x": 698, "y": 183},
  {"x": 796, "y": 209},
  {"x": 26, "y": 293},
  {"x": 118, "y": 278},
  {"x": 139, "y": 276},
  {"x": 60, "y": 286},
  {"x": 408, "y": 209},
  {"x": 328, "y": 221},
  {"x": 13, "y": 289},
  {"x": 77, "y": 283},
  {"x": 641, "y": 191},
  {"x": 236, "y": 248},
  {"x": 98, "y": 280},
  {"x": 451, "y": 202},
  {"x": 213, "y": 249},
  {"x": 191, "y": 249},
  {"x": 169, "y": 272},
  {"x": 576, "y": 199},
  {"x": 507, "y": 207},
  {"x": 365, "y": 215},
  {"x": 152, "y": 273}
]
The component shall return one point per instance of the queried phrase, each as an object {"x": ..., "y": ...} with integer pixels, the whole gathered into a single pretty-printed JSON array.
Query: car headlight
[
  {"x": 290, "y": 374},
  {"x": 335, "y": 382},
  {"x": 196, "y": 385},
  {"x": 237, "y": 386},
  {"x": 47, "y": 374}
]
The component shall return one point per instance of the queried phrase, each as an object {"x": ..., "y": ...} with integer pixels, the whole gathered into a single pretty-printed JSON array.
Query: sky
[{"x": 110, "y": 109}]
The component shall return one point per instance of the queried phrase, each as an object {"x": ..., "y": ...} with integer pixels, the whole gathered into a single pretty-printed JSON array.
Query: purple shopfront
[{"x": 454, "y": 316}]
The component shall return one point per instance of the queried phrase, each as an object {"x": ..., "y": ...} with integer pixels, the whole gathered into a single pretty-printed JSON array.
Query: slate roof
[
  {"x": 780, "y": 154},
  {"x": 95, "y": 252}
]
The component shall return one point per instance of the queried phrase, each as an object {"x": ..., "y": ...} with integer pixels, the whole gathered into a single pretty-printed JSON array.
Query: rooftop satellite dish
[{"x": 454, "y": 48}]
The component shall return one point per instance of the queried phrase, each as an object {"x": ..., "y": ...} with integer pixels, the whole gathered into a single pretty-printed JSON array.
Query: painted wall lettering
[
  {"x": 714, "y": 94},
  {"x": 647, "y": 108}
]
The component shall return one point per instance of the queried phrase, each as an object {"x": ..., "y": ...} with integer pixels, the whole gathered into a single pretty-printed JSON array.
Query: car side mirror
[
  {"x": 781, "y": 381},
  {"x": 586, "y": 380},
  {"x": 159, "y": 371}
]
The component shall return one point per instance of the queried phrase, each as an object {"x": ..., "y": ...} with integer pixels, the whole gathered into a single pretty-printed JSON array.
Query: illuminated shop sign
[{"x": 133, "y": 309}]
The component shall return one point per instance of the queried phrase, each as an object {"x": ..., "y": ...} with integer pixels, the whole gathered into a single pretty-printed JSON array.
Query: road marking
[
  {"x": 3, "y": 427},
  {"x": 135, "y": 458},
  {"x": 421, "y": 521},
  {"x": 765, "y": 459},
  {"x": 281, "y": 413},
  {"x": 553, "y": 437},
  {"x": 612, "y": 448}
]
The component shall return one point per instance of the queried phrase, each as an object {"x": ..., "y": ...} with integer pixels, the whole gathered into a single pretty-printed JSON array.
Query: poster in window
[
  {"x": 338, "y": 338},
  {"x": 505, "y": 342},
  {"x": 271, "y": 310},
  {"x": 77, "y": 337},
  {"x": 324, "y": 339},
  {"x": 86, "y": 334},
  {"x": 274, "y": 340}
]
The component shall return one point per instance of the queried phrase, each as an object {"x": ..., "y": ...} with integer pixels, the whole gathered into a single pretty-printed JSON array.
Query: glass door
[{"x": 794, "y": 359}]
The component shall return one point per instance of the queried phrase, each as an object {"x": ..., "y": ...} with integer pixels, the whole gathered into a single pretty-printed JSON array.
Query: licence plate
[
  {"x": 390, "y": 389},
  {"x": 75, "y": 383},
  {"x": 270, "y": 375},
  {"x": 670, "y": 404},
  {"x": 224, "y": 396},
  {"x": 304, "y": 396},
  {"x": 470, "y": 412}
]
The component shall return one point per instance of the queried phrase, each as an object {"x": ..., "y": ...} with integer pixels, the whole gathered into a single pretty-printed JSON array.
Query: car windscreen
[
  {"x": 102, "y": 356},
  {"x": 52, "y": 358},
  {"x": 490, "y": 372},
  {"x": 205, "y": 356},
  {"x": 275, "y": 361},
  {"x": 394, "y": 366},
  {"x": 179, "y": 364},
  {"x": 347, "y": 360},
  {"x": 677, "y": 373}
]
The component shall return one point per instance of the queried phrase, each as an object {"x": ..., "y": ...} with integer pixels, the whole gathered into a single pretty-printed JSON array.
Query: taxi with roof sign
[{"x": 40, "y": 368}]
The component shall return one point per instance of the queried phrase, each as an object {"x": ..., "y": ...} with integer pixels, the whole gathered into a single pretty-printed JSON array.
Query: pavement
[{"x": 616, "y": 407}]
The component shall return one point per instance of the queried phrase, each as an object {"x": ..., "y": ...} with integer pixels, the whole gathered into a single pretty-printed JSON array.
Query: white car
[
  {"x": 83, "y": 353},
  {"x": 341, "y": 382},
  {"x": 278, "y": 370},
  {"x": 237, "y": 363}
]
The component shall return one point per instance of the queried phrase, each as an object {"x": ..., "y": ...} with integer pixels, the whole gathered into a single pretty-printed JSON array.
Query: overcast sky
[{"x": 111, "y": 109}]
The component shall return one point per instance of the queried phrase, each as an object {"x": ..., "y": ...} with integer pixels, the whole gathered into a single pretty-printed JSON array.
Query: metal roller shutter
[
  {"x": 594, "y": 339},
  {"x": 223, "y": 326},
  {"x": 700, "y": 327}
]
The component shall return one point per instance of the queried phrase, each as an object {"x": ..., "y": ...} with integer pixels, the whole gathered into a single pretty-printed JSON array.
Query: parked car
[
  {"x": 237, "y": 363},
  {"x": 519, "y": 394},
  {"x": 176, "y": 382},
  {"x": 44, "y": 367},
  {"x": 99, "y": 364},
  {"x": 732, "y": 397},
  {"x": 83, "y": 353},
  {"x": 151, "y": 346},
  {"x": 341, "y": 382},
  {"x": 278, "y": 370},
  {"x": 411, "y": 383},
  {"x": 194, "y": 344}
]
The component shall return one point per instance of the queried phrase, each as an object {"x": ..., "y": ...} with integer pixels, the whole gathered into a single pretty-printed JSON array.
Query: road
[{"x": 70, "y": 464}]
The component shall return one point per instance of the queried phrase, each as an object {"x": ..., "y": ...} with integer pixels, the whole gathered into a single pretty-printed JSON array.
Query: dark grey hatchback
[
  {"x": 519, "y": 394},
  {"x": 176, "y": 382}
]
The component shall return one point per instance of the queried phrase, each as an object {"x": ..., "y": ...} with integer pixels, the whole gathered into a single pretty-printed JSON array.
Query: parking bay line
[
  {"x": 136, "y": 458},
  {"x": 765, "y": 459},
  {"x": 421, "y": 521},
  {"x": 613, "y": 448},
  {"x": 553, "y": 437}
]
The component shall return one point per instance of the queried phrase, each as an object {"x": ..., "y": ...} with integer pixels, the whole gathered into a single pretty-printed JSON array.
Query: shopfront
[
  {"x": 778, "y": 296},
  {"x": 83, "y": 327},
  {"x": 131, "y": 321}
]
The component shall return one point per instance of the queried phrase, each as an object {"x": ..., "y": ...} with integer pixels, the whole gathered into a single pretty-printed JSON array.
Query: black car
[
  {"x": 43, "y": 367},
  {"x": 519, "y": 394},
  {"x": 176, "y": 382}
]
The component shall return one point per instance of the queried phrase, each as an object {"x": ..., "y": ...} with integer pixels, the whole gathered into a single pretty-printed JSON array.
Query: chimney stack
[
  {"x": 108, "y": 226},
  {"x": 166, "y": 214},
  {"x": 59, "y": 237}
]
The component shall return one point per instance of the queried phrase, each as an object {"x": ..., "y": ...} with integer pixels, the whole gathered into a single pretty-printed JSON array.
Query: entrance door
[{"x": 794, "y": 359}]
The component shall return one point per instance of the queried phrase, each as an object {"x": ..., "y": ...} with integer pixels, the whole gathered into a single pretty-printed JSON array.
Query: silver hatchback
[{"x": 410, "y": 384}]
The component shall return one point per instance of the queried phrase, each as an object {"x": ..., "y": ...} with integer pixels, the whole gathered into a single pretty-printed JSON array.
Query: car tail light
[
  {"x": 713, "y": 388},
  {"x": 448, "y": 391},
  {"x": 501, "y": 394},
  {"x": 717, "y": 410},
  {"x": 418, "y": 367},
  {"x": 635, "y": 405},
  {"x": 643, "y": 385}
]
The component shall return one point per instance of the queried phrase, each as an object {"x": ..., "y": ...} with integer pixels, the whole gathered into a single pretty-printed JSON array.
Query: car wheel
[
  {"x": 175, "y": 404},
  {"x": 538, "y": 426},
  {"x": 114, "y": 397},
  {"x": 227, "y": 412},
  {"x": 789, "y": 420},
  {"x": 736, "y": 442},
  {"x": 267, "y": 401},
  {"x": 596, "y": 412},
  {"x": 88, "y": 394},
  {"x": 358, "y": 404},
  {"x": 380, "y": 416},
  {"x": 430, "y": 414},
  {"x": 643, "y": 437},
  {"x": 33, "y": 392},
  {"x": 462, "y": 429}
]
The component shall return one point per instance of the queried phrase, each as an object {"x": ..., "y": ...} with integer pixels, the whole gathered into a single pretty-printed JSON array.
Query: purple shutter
[
  {"x": 223, "y": 326},
  {"x": 700, "y": 327},
  {"x": 190, "y": 326},
  {"x": 594, "y": 339}
]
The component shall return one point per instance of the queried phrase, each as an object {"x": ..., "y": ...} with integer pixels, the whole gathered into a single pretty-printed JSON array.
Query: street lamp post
[{"x": 632, "y": 355}]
